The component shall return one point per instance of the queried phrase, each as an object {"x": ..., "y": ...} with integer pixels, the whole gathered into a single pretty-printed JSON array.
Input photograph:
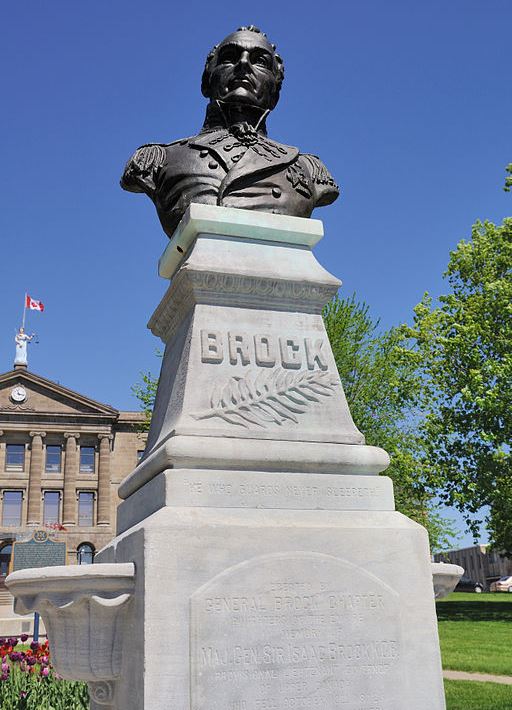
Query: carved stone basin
[
  {"x": 445, "y": 578},
  {"x": 83, "y": 609}
]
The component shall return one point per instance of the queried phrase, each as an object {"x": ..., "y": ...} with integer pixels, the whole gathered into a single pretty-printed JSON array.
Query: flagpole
[{"x": 24, "y": 311}]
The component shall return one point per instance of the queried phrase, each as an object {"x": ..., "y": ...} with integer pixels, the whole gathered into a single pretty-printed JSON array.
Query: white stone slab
[
  {"x": 267, "y": 608},
  {"x": 295, "y": 629},
  {"x": 268, "y": 375},
  {"x": 253, "y": 455},
  {"x": 286, "y": 357},
  {"x": 254, "y": 489},
  {"x": 445, "y": 578},
  {"x": 224, "y": 271},
  {"x": 226, "y": 221}
]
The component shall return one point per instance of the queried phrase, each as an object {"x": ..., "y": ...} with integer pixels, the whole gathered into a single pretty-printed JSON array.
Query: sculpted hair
[{"x": 212, "y": 56}]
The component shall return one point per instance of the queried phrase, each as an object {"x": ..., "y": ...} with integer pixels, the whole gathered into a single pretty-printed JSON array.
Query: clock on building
[{"x": 18, "y": 394}]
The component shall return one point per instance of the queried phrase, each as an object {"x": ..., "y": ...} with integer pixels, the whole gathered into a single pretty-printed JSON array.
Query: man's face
[{"x": 245, "y": 71}]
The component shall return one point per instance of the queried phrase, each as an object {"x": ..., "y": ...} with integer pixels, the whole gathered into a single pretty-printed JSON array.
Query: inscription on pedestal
[
  {"x": 295, "y": 631},
  {"x": 263, "y": 350},
  {"x": 277, "y": 490}
]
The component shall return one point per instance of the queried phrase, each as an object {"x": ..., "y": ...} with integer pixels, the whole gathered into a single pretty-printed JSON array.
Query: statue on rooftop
[
  {"x": 232, "y": 162},
  {"x": 22, "y": 339}
]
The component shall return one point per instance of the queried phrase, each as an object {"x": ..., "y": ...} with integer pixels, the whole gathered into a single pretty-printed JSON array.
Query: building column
[
  {"x": 34, "y": 481},
  {"x": 70, "y": 476},
  {"x": 103, "y": 505}
]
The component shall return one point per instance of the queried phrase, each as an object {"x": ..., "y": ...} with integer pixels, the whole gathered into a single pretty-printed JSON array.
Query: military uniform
[{"x": 235, "y": 167}]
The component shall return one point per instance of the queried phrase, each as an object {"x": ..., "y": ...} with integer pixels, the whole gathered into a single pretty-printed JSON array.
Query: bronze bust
[{"x": 232, "y": 162}]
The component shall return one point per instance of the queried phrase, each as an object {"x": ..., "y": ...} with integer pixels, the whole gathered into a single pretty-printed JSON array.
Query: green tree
[
  {"x": 464, "y": 346},
  {"x": 508, "y": 179},
  {"x": 145, "y": 392},
  {"x": 384, "y": 389}
]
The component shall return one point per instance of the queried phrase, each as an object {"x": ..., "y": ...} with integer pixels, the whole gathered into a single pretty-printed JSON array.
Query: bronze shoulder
[
  {"x": 309, "y": 176},
  {"x": 142, "y": 169},
  {"x": 323, "y": 185},
  {"x": 318, "y": 172}
]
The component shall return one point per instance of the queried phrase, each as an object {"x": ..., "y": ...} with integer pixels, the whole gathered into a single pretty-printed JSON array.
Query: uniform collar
[
  {"x": 256, "y": 152},
  {"x": 223, "y": 114}
]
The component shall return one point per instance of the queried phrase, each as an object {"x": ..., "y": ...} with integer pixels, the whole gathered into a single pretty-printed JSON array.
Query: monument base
[
  {"x": 259, "y": 562},
  {"x": 274, "y": 591}
]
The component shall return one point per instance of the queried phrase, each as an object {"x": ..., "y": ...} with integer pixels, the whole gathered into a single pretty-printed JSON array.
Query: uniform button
[
  {"x": 276, "y": 192},
  {"x": 204, "y": 153},
  {"x": 212, "y": 165}
]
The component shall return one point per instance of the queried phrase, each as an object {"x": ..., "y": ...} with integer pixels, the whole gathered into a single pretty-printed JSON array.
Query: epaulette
[
  {"x": 319, "y": 172},
  {"x": 147, "y": 158}
]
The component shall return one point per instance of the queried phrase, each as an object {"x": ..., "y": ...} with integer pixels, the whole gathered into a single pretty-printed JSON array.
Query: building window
[
  {"x": 15, "y": 457},
  {"x": 11, "y": 509},
  {"x": 53, "y": 459},
  {"x": 5, "y": 560},
  {"x": 51, "y": 507},
  {"x": 140, "y": 454},
  {"x": 87, "y": 459},
  {"x": 85, "y": 509},
  {"x": 85, "y": 554}
]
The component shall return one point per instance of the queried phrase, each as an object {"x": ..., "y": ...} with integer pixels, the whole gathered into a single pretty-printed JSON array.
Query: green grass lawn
[
  {"x": 475, "y": 631},
  {"x": 471, "y": 695}
]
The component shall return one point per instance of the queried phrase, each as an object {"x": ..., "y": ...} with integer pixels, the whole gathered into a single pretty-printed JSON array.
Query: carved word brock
[{"x": 262, "y": 350}]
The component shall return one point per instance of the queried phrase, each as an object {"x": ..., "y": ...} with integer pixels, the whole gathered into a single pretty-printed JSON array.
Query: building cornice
[{"x": 99, "y": 409}]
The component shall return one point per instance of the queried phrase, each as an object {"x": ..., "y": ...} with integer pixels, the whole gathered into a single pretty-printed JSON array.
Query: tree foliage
[
  {"x": 508, "y": 179},
  {"x": 145, "y": 392},
  {"x": 384, "y": 388},
  {"x": 464, "y": 347}
]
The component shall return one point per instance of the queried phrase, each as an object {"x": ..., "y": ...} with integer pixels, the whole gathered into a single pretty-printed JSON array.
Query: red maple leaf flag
[{"x": 33, "y": 305}]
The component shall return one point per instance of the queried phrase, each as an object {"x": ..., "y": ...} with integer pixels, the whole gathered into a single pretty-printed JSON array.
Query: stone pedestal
[
  {"x": 273, "y": 572},
  {"x": 248, "y": 379},
  {"x": 263, "y": 590},
  {"x": 271, "y": 569}
]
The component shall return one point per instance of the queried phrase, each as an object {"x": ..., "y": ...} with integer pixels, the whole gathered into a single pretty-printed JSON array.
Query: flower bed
[{"x": 28, "y": 681}]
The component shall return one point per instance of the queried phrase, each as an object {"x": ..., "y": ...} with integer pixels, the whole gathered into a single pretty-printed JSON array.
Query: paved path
[{"x": 483, "y": 677}]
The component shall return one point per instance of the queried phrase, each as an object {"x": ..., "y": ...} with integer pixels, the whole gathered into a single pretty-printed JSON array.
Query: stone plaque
[
  {"x": 295, "y": 631},
  {"x": 303, "y": 491},
  {"x": 40, "y": 551}
]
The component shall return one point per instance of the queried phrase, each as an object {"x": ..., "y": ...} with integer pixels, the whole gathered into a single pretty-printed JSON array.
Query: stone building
[{"x": 62, "y": 456}]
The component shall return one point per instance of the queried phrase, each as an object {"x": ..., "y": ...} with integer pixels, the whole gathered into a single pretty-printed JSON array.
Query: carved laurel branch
[{"x": 269, "y": 397}]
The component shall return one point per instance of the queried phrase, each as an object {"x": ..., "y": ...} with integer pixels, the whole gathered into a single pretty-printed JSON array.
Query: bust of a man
[{"x": 232, "y": 162}]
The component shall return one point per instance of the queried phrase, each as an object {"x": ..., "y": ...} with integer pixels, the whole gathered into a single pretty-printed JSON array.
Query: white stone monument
[{"x": 269, "y": 569}]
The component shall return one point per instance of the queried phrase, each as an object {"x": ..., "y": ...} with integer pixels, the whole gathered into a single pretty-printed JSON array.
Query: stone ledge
[
  {"x": 226, "y": 221},
  {"x": 61, "y": 585},
  {"x": 255, "y": 490},
  {"x": 256, "y": 455}
]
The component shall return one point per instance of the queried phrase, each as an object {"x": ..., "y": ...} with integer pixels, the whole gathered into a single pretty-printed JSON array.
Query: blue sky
[{"x": 408, "y": 103}]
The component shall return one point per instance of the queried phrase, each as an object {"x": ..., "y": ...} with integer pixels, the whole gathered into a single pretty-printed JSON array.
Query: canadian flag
[{"x": 33, "y": 305}]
